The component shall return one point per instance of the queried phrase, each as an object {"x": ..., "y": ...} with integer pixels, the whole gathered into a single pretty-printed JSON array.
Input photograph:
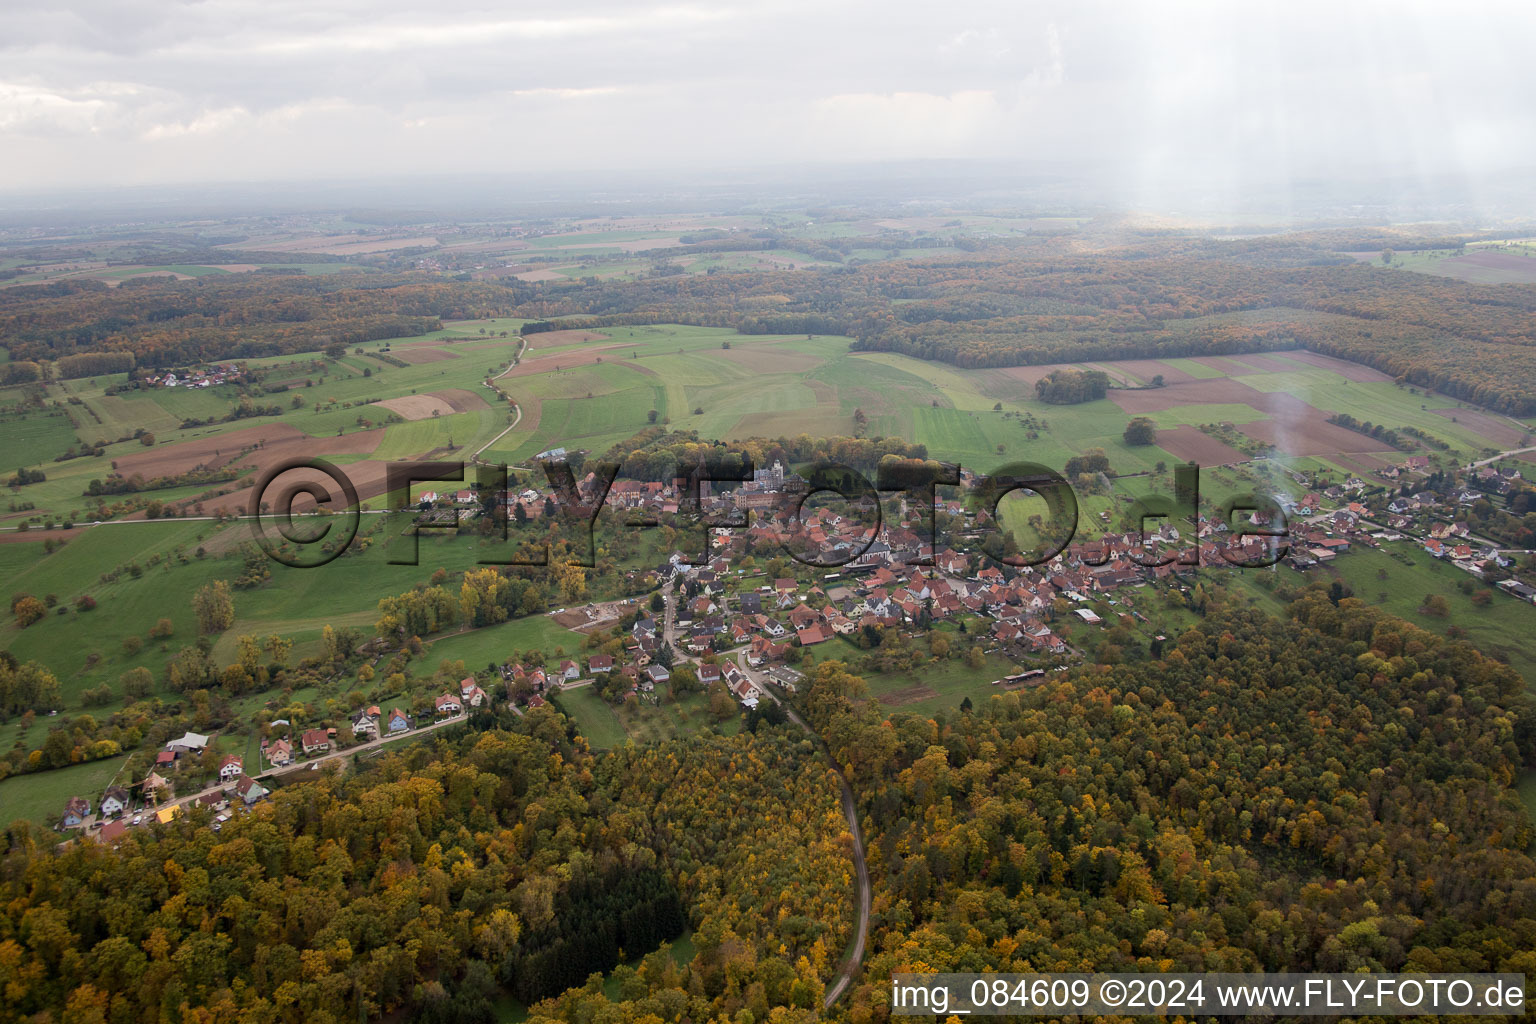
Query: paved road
[
  {"x": 669, "y": 618},
  {"x": 300, "y": 765},
  {"x": 1501, "y": 455},
  {"x": 853, "y": 959},
  {"x": 490, "y": 383}
]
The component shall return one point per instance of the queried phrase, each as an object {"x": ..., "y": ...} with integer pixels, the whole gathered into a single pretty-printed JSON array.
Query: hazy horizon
[{"x": 1203, "y": 105}]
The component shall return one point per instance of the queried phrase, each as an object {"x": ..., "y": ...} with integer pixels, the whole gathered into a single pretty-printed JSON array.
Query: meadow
[
  {"x": 672, "y": 716},
  {"x": 595, "y": 390},
  {"x": 940, "y": 687},
  {"x": 1400, "y": 577},
  {"x": 591, "y": 390},
  {"x": 40, "y": 797}
]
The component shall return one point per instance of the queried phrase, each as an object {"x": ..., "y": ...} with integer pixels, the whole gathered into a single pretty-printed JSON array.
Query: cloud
[{"x": 1167, "y": 98}]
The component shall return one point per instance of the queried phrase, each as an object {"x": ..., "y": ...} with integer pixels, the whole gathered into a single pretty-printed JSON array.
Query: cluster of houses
[
  {"x": 213, "y": 375},
  {"x": 116, "y": 812},
  {"x": 882, "y": 583},
  {"x": 368, "y": 724},
  {"x": 640, "y": 678},
  {"x": 1425, "y": 519}
]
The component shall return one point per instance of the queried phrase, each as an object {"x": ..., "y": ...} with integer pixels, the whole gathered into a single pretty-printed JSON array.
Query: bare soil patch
[
  {"x": 416, "y": 407},
  {"x": 1192, "y": 445},
  {"x": 1360, "y": 462},
  {"x": 909, "y": 695},
  {"x": 563, "y": 360},
  {"x": 1309, "y": 433},
  {"x": 249, "y": 447},
  {"x": 1489, "y": 268},
  {"x": 368, "y": 476},
  {"x": 36, "y": 535},
  {"x": 1213, "y": 391},
  {"x": 1261, "y": 362},
  {"x": 1223, "y": 364},
  {"x": 209, "y": 452},
  {"x": 1295, "y": 427},
  {"x": 462, "y": 399}
]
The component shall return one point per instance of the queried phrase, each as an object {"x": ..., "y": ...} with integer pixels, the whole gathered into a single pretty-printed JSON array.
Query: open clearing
[
  {"x": 1292, "y": 425},
  {"x": 1354, "y": 372}
]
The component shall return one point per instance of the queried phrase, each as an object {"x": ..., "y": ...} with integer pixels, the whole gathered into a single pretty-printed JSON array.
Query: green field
[
  {"x": 495, "y": 644},
  {"x": 593, "y": 717},
  {"x": 39, "y": 797},
  {"x": 671, "y": 717},
  {"x": 34, "y": 438},
  {"x": 936, "y": 687},
  {"x": 1502, "y": 628},
  {"x": 761, "y": 386}
]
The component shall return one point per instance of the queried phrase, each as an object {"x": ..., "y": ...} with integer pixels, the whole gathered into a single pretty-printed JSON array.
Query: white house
[{"x": 114, "y": 801}]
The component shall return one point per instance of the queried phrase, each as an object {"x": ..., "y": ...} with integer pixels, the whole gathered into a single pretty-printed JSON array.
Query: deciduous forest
[{"x": 1327, "y": 792}]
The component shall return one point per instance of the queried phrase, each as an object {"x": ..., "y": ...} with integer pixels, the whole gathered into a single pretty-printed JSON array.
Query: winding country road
[
  {"x": 853, "y": 959},
  {"x": 490, "y": 383},
  {"x": 1502, "y": 455}
]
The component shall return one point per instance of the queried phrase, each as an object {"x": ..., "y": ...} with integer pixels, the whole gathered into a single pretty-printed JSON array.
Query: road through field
[{"x": 490, "y": 383}]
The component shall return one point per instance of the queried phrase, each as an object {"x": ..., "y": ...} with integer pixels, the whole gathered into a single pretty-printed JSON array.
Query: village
[
  {"x": 716, "y": 624},
  {"x": 222, "y": 373}
]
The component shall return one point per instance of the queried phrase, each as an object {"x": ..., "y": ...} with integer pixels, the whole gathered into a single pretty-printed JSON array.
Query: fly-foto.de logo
[{"x": 306, "y": 512}]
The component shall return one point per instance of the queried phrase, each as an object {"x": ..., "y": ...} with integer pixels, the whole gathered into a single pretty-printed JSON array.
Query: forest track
[{"x": 853, "y": 959}]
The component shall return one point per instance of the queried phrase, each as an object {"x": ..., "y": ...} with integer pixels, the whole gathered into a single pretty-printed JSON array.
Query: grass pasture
[
  {"x": 590, "y": 390},
  {"x": 1502, "y": 628},
  {"x": 939, "y": 687},
  {"x": 593, "y": 716},
  {"x": 39, "y": 797}
]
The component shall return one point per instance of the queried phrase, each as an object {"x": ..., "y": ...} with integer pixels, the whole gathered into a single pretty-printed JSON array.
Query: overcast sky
[{"x": 1212, "y": 96}]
